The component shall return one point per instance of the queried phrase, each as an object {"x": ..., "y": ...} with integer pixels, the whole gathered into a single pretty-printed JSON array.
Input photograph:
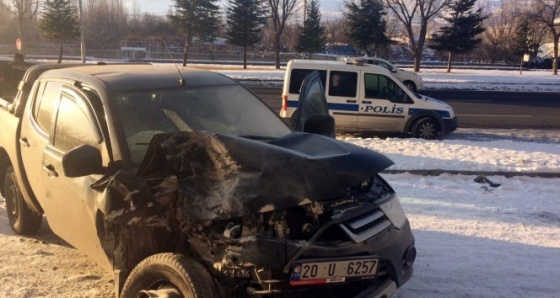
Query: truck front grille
[{"x": 365, "y": 226}]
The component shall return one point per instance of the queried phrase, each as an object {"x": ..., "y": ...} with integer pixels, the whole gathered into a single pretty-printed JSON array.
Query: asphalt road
[{"x": 477, "y": 109}]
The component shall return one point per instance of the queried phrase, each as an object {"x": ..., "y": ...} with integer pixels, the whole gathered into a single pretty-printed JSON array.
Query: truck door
[
  {"x": 384, "y": 105},
  {"x": 69, "y": 203},
  {"x": 313, "y": 103},
  {"x": 35, "y": 132},
  {"x": 342, "y": 96}
]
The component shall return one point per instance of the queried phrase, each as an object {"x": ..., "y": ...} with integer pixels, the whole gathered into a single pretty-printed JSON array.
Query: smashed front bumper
[
  {"x": 248, "y": 210},
  {"x": 263, "y": 264}
]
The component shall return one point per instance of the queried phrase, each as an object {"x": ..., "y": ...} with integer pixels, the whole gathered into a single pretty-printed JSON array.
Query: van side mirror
[
  {"x": 82, "y": 161},
  {"x": 320, "y": 124}
]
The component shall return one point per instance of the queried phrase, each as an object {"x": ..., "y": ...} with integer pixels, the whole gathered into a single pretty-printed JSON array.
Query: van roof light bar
[{"x": 355, "y": 61}]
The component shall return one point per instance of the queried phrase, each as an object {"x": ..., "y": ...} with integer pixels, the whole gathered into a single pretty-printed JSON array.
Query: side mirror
[
  {"x": 320, "y": 124},
  {"x": 82, "y": 161}
]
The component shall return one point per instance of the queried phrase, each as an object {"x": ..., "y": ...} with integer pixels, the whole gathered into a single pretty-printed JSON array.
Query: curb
[{"x": 473, "y": 173}]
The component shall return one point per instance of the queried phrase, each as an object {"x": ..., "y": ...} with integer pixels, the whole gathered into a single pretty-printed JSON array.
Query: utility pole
[
  {"x": 82, "y": 39},
  {"x": 304, "y": 11}
]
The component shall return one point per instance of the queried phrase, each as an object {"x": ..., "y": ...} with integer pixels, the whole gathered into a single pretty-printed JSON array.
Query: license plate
[{"x": 312, "y": 272}]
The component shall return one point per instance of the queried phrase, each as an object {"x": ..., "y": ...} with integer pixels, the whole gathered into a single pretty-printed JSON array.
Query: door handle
[
  {"x": 24, "y": 142},
  {"x": 368, "y": 102},
  {"x": 50, "y": 170},
  {"x": 350, "y": 101}
]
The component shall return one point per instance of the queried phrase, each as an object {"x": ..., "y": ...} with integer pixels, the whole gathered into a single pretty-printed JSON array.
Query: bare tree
[
  {"x": 105, "y": 23},
  {"x": 150, "y": 26},
  {"x": 280, "y": 13},
  {"x": 547, "y": 13},
  {"x": 6, "y": 33},
  {"x": 24, "y": 11},
  {"x": 415, "y": 15},
  {"x": 335, "y": 29},
  {"x": 500, "y": 31}
]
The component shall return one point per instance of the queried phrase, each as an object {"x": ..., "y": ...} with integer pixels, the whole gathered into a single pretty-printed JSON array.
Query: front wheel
[
  {"x": 22, "y": 219},
  {"x": 169, "y": 275},
  {"x": 426, "y": 128}
]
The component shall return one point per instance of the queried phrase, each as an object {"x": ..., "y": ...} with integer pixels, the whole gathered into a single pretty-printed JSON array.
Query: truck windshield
[{"x": 228, "y": 110}]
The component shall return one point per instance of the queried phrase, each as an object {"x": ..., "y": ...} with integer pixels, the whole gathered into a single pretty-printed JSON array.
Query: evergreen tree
[
  {"x": 244, "y": 21},
  {"x": 460, "y": 35},
  {"x": 312, "y": 37},
  {"x": 365, "y": 25},
  {"x": 527, "y": 39},
  {"x": 195, "y": 18},
  {"x": 59, "y": 22},
  {"x": 521, "y": 42}
]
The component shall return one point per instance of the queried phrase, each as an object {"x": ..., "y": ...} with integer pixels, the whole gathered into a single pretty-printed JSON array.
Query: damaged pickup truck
[{"x": 184, "y": 184}]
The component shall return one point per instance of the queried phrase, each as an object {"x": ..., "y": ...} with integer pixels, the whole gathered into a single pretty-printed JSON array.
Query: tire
[
  {"x": 169, "y": 274},
  {"x": 22, "y": 219},
  {"x": 426, "y": 128},
  {"x": 410, "y": 85}
]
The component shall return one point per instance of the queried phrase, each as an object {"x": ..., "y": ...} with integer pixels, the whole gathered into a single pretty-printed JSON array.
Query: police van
[{"x": 368, "y": 98}]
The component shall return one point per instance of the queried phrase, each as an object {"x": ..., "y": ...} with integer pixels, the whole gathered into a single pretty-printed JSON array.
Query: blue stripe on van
[
  {"x": 292, "y": 103},
  {"x": 344, "y": 107},
  {"x": 332, "y": 106},
  {"x": 443, "y": 114}
]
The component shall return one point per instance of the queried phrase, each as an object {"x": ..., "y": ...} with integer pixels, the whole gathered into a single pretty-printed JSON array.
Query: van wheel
[
  {"x": 410, "y": 85},
  {"x": 22, "y": 219},
  {"x": 426, "y": 128},
  {"x": 169, "y": 275}
]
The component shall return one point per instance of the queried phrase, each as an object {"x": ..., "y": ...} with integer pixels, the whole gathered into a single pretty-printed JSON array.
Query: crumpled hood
[{"x": 213, "y": 177}]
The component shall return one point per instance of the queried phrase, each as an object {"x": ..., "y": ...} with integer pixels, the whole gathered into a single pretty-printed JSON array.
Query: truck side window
[
  {"x": 343, "y": 83},
  {"x": 73, "y": 126},
  {"x": 44, "y": 104}
]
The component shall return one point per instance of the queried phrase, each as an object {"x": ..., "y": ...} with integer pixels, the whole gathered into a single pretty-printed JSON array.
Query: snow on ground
[
  {"x": 465, "y": 155},
  {"x": 473, "y": 239}
]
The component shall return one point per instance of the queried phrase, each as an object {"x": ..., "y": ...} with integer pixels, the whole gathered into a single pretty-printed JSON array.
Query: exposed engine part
[
  {"x": 314, "y": 209},
  {"x": 232, "y": 231},
  {"x": 279, "y": 224},
  {"x": 308, "y": 229},
  {"x": 266, "y": 285}
]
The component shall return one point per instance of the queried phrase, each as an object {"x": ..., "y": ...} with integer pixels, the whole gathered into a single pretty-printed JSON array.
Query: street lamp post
[{"x": 82, "y": 39}]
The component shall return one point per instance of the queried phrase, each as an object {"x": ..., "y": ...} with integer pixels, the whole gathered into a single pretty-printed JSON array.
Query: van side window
[
  {"x": 343, "y": 83},
  {"x": 382, "y": 87},
  {"x": 297, "y": 76}
]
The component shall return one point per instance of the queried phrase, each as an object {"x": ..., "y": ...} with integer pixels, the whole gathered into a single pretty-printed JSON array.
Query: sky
[
  {"x": 473, "y": 239},
  {"x": 327, "y": 7},
  {"x": 161, "y": 7}
]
